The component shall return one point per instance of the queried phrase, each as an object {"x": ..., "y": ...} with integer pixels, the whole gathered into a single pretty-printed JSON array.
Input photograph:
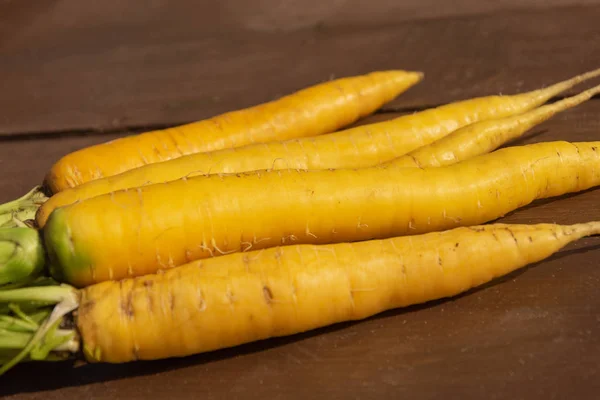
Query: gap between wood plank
[{"x": 132, "y": 130}]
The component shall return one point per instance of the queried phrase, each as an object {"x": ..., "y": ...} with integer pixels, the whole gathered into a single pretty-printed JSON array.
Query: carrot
[
  {"x": 312, "y": 111},
  {"x": 137, "y": 232},
  {"x": 239, "y": 298},
  {"x": 363, "y": 146},
  {"x": 483, "y": 137}
]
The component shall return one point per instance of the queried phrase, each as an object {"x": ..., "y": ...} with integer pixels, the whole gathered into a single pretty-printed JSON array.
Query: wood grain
[{"x": 86, "y": 66}]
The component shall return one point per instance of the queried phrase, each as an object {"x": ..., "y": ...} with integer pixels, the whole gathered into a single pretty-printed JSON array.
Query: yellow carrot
[
  {"x": 315, "y": 110},
  {"x": 239, "y": 298},
  {"x": 363, "y": 146},
  {"x": 486, "y": 136},
  {"x": 136, "y": 232}
]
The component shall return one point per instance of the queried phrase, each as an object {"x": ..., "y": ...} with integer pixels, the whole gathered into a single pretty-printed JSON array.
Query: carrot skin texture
[
  {"x": 132, "y": 233},
  {"x": 483, "y": 137},
  {"x": 363, "y": 146},
  {"x": 312, "y": 111},
  {"x": 243, "y": 297}
]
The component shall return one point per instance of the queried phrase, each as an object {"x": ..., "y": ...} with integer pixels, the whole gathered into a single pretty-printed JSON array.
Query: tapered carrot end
[
  {"x": 547, "y": 93},
  {"x": 413, "y": 76},
  {"x": 584, "y": 229}
]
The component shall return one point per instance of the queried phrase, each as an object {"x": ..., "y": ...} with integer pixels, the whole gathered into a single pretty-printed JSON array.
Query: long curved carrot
[
  {"x": 136, "y": 232},
  {"x": 486, "y": 136},
  {"x": 312, "y": 111},
  {"x": 239, "y": 298},
  {"x": 467, "y": 121}
]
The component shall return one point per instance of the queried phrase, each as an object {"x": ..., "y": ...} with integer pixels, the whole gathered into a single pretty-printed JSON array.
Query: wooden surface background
[{"x": 78, "y": 72}]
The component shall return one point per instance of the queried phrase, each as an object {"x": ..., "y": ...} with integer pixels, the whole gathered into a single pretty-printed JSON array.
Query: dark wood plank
[
  {"x": 234, "y": 15},
  {"x": 532, "y": 335},
  {"x": 72, "y": 65}
]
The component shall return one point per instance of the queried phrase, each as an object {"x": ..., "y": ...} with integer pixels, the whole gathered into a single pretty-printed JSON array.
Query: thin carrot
[
  {"x": 231, "y": 300},
  {"x": 358, "y": 147},
  {"x": 486, "y": 136},
  {"x": 312, "y": 111},
  {"x": 136, "y": 232}
]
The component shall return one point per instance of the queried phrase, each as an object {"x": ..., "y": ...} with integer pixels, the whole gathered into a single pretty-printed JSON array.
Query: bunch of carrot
[{"x": 278, "y": 219}]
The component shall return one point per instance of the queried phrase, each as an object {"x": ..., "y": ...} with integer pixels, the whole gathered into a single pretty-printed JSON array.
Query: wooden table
[{"x": 75, "y": 72}]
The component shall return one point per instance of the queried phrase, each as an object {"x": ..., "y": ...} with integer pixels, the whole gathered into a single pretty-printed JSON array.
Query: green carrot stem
[
  {"x": 48, "y": 338},
  {"x": 40, "y": 315},
  {"x": 44, "y": 294},
  {"x": 15, "y": 324},
  {"x": 21, "y": 314},
  {"x": 63, "y": 340},
  {"x": 21, "y": 255},
  {"x": 30, "y": 307},
  {"x": 18, "y": 223},
  {"x": 55, "y": 340},
  {"x": 13, "y": 340},
  {"x": 31, "y": 282},
  {"x": 22, "y": 209}
]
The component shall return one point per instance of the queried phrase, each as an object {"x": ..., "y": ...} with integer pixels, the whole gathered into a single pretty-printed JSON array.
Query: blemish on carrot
[
  {"x": 86, "y": 306},
  {"x": 417, "y": 163},
  {"x": 513, "y": 235},
  {"x": 127, "y": 307},
  {"x": 268, "y": 295},
  {"x": 411, "y": 224},
  {"x": 201, "y": 301},
  {"x": 188, "y": 255},
  {"x": 172, "y": 301},
  {"x": 230, "y": 296},
  {"x": 308, "y": 232}
]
